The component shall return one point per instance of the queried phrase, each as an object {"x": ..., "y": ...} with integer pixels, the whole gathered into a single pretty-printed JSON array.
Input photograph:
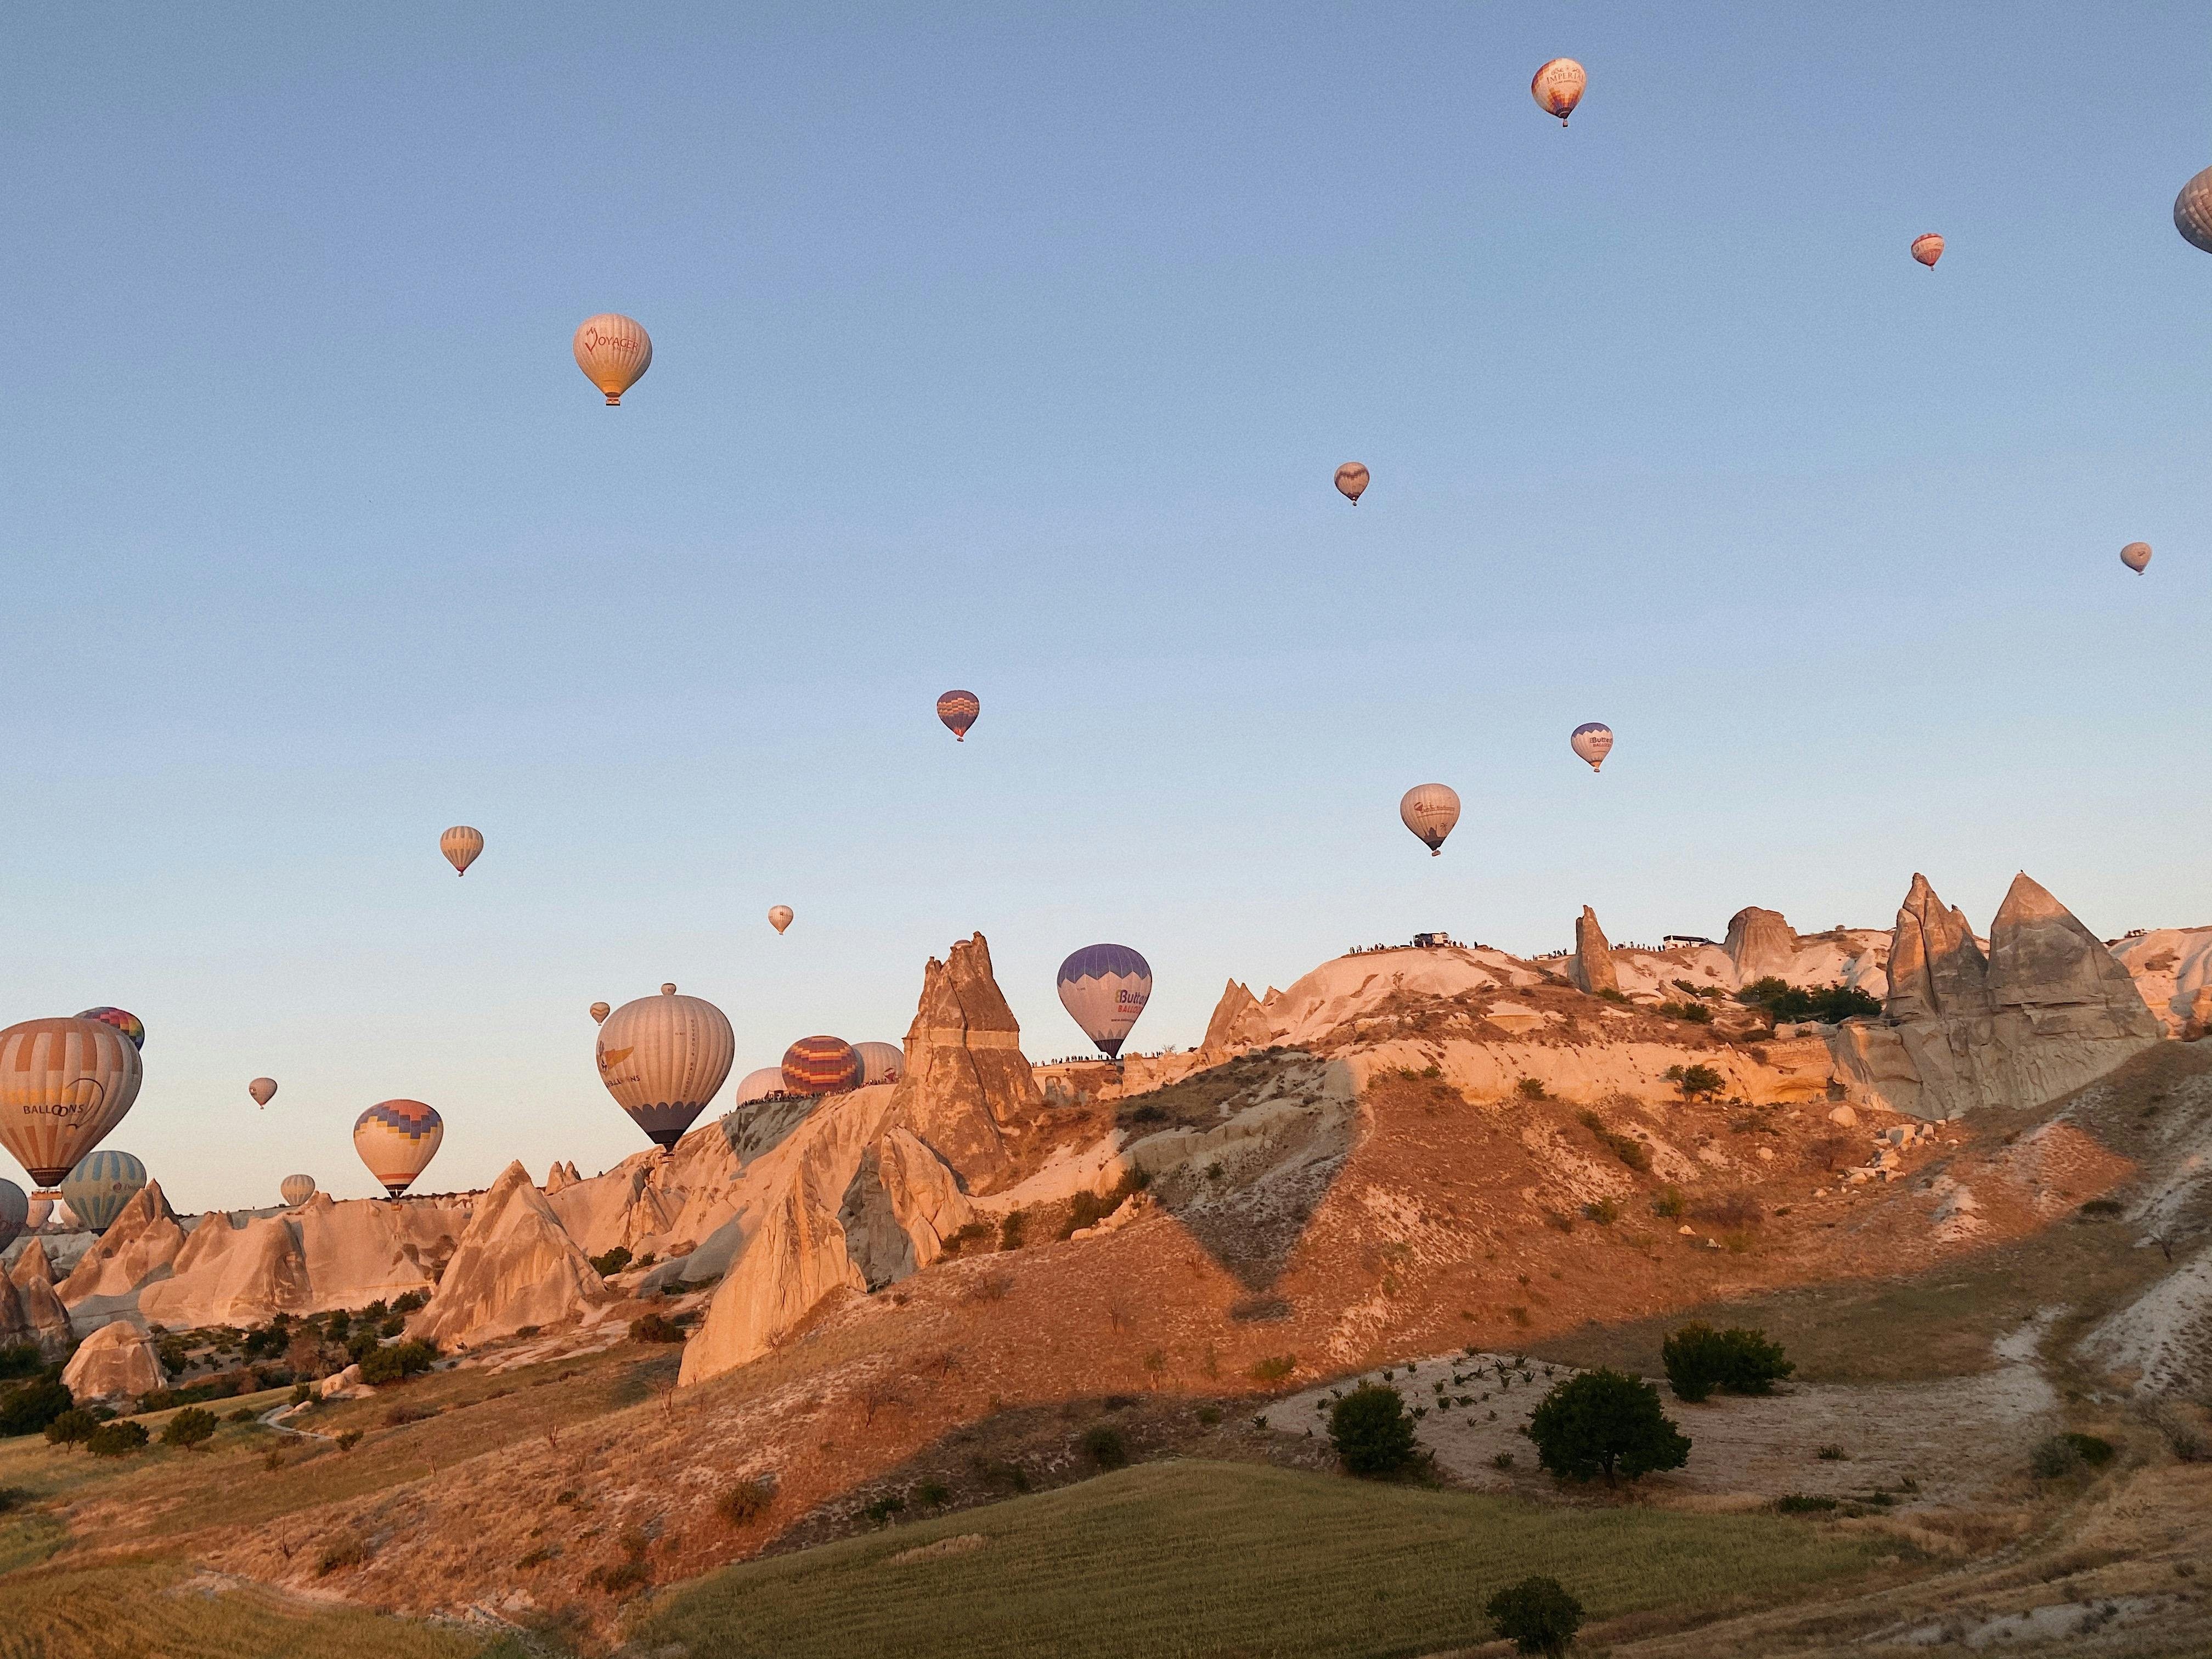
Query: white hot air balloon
[
  {"x": 2135, "y": 555},
  {"x": 296, "y": 1189},
  {"x": 758, "y": 1084},
  {"x": 40, "y": 1212},
  {"x": 663, "y": 1058},
  {"x": 1593, "y": 741},
  {"x": 779, "y": 916},
  {"x": 882, "y": 1062},
  {"x": 1430, "y": 810},
  {"x": 263, "y": 1088},
  {"x": 613, "y": 351},
  {"x": 1105, "y": 988}
]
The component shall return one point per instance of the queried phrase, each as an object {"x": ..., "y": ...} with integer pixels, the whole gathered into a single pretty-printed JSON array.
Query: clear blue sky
[{"x": 1013, "y": 349}]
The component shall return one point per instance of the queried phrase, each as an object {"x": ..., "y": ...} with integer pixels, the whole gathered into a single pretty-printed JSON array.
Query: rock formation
[
  {"x": 901, "y": 1206},
  {"x": 1591, "y": 966},
  {"x": 228, "y": 1274},
  {"x": 795, "y": 1258},
  {"x": 1239, "y": 1023},
  {"x": 45, "y": 1319},
  {"x": 514, "y": 1267},
  {"x": 1936, "y": 969},
  {"x": 116, "y": 1362},
  {"x": 1760, "y": 943},
  {"x": 142, "y": 1241},
  {"x": 967, "y": 1092}
]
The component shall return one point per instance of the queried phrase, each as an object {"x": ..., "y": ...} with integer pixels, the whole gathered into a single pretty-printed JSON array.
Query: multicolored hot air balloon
[
  {"x": 64, "y": 1085},
  {"x": 1593, "y": 741},
  {"x": 821, "y": 1065},
  {"x": 296, "y": 1189},
  {"x": 98, "y": 1188},
  {"x": 460, "y": 845},
  {"x": 1430, "y": 810},
  {"x": 263, "y": 1088},
  {"x": 880, "y": 1062},
  {"x": 2135, "y": 555},
  {"x": 958, "y": 710},
  {"x": 1928, "y": 248},
  {"x": 1558, "y": 87},
  {"x": 1352, "y": 482},
  {"x": 2192, "y": 211},
  {"x": 396, "y": 1138},
  {"x": 14, "y": 1212},
  {"x": 759, "y": 1084},
  {"x": 123, "y": 1020},
  {"x": 613, "y": 351},
  {"x": 1105, "y": 988},
  {"x": 662, "y": 1059},
  {"x": 779, "y": 916}
]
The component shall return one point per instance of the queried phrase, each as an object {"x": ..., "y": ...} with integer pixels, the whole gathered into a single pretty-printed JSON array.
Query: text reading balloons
[
  {"x": 460, "y": 845},
  {"x": 64, "y": 1085},
  {"x": 779, "y": 916},
  {"x": 662, "y": 1059},
  {"x": 296, "y": 1189},
  {"x": 821, "y": 1065},
  {"x": 613, "y": 351},
  {"x": 1593, "y": 741},
  {"x": 1430, "y": 810},
  {"x": 263, "y": 1088},
  {"x": 600, "y": 1012},
  {"x": 1928, "y": 249},
  {"x": 396, "y": 1138},
  {"x": 1558, "y": 87},
  {"x": 2192, "y": 211},
  {"x": 2135, "y": 555},
  {"x": 1352, "y": 482},
  {"x": 958, "y": 710},
  {"x": 100, "y": 1186},
  {"x": 123, "y": 1020},
  {"x": 1105, "y": 988},
  {"x": 758, "y": 1084},
  {"x": 880, "y": 1062},
  {"x": 14, "y": 1212}
]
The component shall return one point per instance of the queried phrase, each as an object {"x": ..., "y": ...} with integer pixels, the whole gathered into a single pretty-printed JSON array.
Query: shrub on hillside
[
  {"x": 1695, "y": 1081},
  {"x": 398, "y": 1363},
  {"x": 1536, "y": 1615},
  {"x": 1733, "y": 1212},
  {"x": 28, "y": 1407},
  {"x": 1700, "y": 1359},
  {"x": 1105, "y": 1446},
  {"x": 612, "y": 1262},
  {"x": 1829, "y": 1004},
  {"x": 19, "y": 1359},
  {"x": 190, "y": 1428},
  {"x": 1694, "y": 1013},
  {"x": 1530, "y": 1088},
  {"x": 117, "y": 1439},
  {"x": 1604, "y": 1423},
  {"x": 654, "y": 1327},
  {"x": 1273, "y": 1369},
  {"x": 72, "y": 1428},
  {"x": 1011, "y": 1228},
  {"x": 1372, "y": 1432}
]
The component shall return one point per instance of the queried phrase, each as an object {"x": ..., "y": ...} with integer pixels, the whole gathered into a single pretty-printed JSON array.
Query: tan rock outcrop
[
  {"x": 1239, "y": 1024},
  {"x": 967, "y": 1092},
  {"x": 514, "y": 1266},
  {"x": 231, "y": 1274},
  {"x": 633, "y": 1202},
  {"x": 901, "y": 1206},
  {"x": 31, "y": 1262},
  {"x": 1591, "y": 966},
  {"x": 796, "y": 1257},
  {"x": 116, "y": 1362},
  {"x": 46, "y": 1320},
  {"x": 142, "y": 1243},
  {"x": 1761, "y": 944}
]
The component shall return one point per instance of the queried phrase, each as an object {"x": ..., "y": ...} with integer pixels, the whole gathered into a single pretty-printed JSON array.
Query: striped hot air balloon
[
  {"x": 758, "y": 1084},
  {"x": 64, "y": 1085},
  {"x": 1928, "y": 248},
  {"x": 460, "y": 845},
  {"x": 1105, "y": 988},
  {"x": 613, "y": 351},
  {"x": 297, "y": 1190},
  {"x": 880, "y": 1062},
  {"x": 822, "y": 1065},
  {"x": 98, "y": 1188},
  {"x": 1352, "y": 482},
  {"x": 396, "y": 1138},
  {"x": 958, "y": 710},
  {"x": 663, "y": 1058},
  {"x": 123, "y": 1020}
]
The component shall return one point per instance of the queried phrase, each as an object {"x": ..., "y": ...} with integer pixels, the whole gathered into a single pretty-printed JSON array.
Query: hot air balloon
[
  {"x": 613, "y": 351},
  {"x": 958, "y": 710},
  {"x": 779, "y": 916},
  {"x": 880, "y": 1062},
  {"x": 1558, "y": 87},
  {"x": 42, "y": 1210},
  {"x": 1928, "y": 248},
  {"x": 460, "y": 845},
  {"x": 1105, "y": 988},
  {"x": 2135, "y": 555},
  {"x": 64, "y": 1085},
  {"x": 600, "y": 1012},
  {"x": 14, "y": 1212},
  {"x": 98, "y": 1188},
  {"x": 662, "y": 1059},
  {"x": 396, "y": 1138},
  {"x": 758, "y": 1085},
  {"x": 1352, "y": 482},
  {"x": 296, "y": 1190},
  {"x": 1430, "y": 810},
  {"x": 1593, "y": 741},
  {"x": 123, "y": 1020},
  {"x": 2192, "y": 211},
  {"x": 821, "y": 1065},
  {"x": 263, "y": 1088}
]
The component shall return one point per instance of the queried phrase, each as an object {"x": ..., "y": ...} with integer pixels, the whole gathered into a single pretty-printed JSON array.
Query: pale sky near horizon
[{"x": 1014, "y": 349}]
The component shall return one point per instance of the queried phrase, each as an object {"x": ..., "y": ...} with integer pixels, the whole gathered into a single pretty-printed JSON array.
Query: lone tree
[
  {"x": 1700, "y": 1359},
  {"x": 1536, "y": 1615},
  {"x": 1695, "y": 1081},
  {"x": 190, "y": 1428},
  {"x": 1602, "y": 1421},
  {"x": 1372, "y": 1432}
]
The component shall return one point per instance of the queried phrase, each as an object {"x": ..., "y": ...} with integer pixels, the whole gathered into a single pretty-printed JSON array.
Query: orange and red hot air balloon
[
  {"x": 822, "y": 1065},
  {"x": 1928, "y": 248},
  {"x": 1558, "y": 87},
  {"x": 1352, "y": 482},
  {"x": 958, "y": 710}
]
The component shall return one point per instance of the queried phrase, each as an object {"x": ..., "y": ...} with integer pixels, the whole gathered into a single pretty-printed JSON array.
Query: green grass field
[{"x": 1230, "y": 1561}]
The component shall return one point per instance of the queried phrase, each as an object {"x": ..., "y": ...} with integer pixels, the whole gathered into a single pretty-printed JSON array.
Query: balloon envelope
[
  {"x": 1593, "y": 741},
  {"x": 880, "y": 1062},
  {"x": 958, "y": 710},
  {"x": 396, "y": 1138},
  {"x": 1558, "y": 87},
  {"x": 662, "y": 1059},
  {"x": 2135, "y": 555},
  {"x": 779, "y": 916},
  {"x": 1430, "y": 810},
  {"x": 41, "y": 1208},
  {"x": 613, "y": 351},
  {"x": 460, "y": 845},
  {"x": 297, "y": 1190},
  {"x": 14, "y": 1212},
  {"x": 760, "y": 1084},
  {"x": 1105, "y": 988},
  {"x": 123, "y": 1020},
  {"x": 263, "y": 1088},
  {"x": 64, "y": 1085},
  {"x": 98, "y": 1188},
  {"x": 2192, "y": 211},
  {"x": 1928, "y": 248},
  {"x": 1352, "y": 481},
  {"x": 821, "y": 1065}
]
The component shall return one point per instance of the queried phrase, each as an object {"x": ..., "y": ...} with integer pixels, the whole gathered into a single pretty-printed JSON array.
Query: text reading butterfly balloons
[
  {"x": 1928, "y": 248},
  {"x": 64, "y": 1085},
  {"x": 958, "y": 710},
  {"x": 1352, "y": 482},
  {"x": 613, "y": 351},
  {"x": 2135, "y": 555},
  {"x": 1430, "y": 810},
  {"x": 396, "y": 1138},
  {"x": 263, "y": 1088},
  {"x": 97, "y": 1189},
  {"x": 1105, "y": 988},
  {"x": 296, "y": 1189},
  {"x": 662, "y": 1059},
  {"x": 1558, "y": 87},
  {"x": 2192, "y": 211},
  {"x": 779, "y": 916},
  {"x": 123, "y": 1020},
  {"x": 1593, "y": 741},
  {"x": 460, "y": 845}
]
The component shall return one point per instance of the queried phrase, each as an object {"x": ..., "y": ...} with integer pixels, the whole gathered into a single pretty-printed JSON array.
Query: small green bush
[
  {"x": 1530, "y": 1088},
  {"x": 1372, "y": 1432},
  {"x": 190, "y": 1428},
  {"x": 243, "y": 1414},
  {"x": 1104, "y": 1447},
  {"x": 1208, "y": 1416},
  {"x": 302, "y": 1393},
  {"x": 398, "y": 1363},
  {"x": 117, "y": 1439},
  {"x": 654, "y": 1327},
  {"x": 1536, "y": 1615},
  {"x": 72, "y": 1428},
  {"x": 1700, "y": 1359},
  {"x": 611, "y": 1263},
  {"x": 1668, "y": 1202},
  {"x": 1013, "y": 1228},
  {"x": 1695, "y": 1081},
  {"x": 28, "y": 1407},
  {"x": 1691, "y": 1013},
  {"x": 340, "y": 1553},
  {"x": 2100, "y": 1208},
  {"x": 1604, "y": 1212},
  {"x": 1830, "y": 1004},
  {"x": 413, "y": 1301},
  {"x": 746, "y": 1501},
  {"x": 974, "y": 1233},
  {"x": 348, "y": 1439},
  {"x": 1611, "y": 994},
  {"x": 21, "y": 1359},
  {"x": 1797, "y": 1502},
  {"x": 2092, "y": 1449},
  {"x": 935, "y": 1493},
  {"x": 1273, "y": 1369},
  {"x": 883, "y": 1508},
  {"x": 1602, "y": 1422}
]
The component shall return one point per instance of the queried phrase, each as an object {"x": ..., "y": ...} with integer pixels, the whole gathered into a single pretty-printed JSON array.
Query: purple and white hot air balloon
[
  {"x": 1593, "y": 741},
  {"x": 1105, "y": 988}
]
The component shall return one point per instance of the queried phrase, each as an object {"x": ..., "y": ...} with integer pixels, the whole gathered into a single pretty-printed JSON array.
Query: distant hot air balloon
[
  {"x": 42, "y": 1210},
  {"x": 758, "y": 1085},
  {"x": 1928, "y": 248},
  {"x": 1558, "y": 87},
  {"x": 779, "y": 916},
  {"x": 662, "y": 1059},
  {"x": 821, "y": 1065},
  {"x": 613, "y": 351},
  {"x": 2192, "y": 211},
  {"x": 1105, "y": 988},
  {"x": 880, "y": 1062},
  {"x": 1352, "y": 482},
  {"x": 2135, "y": 555},
  {"x": 64, "y": 1085},
  {"x": 396, "y": 1138},
  {"x": 123, "y": 1020},
  {"x": 98, "y": 1188},
  {"x": 600, "y": 1012},
  {"x": 1593, "y": 741},
  {"x": 263, "y": 1088},
  {"x": 14, "y": 1212},
  {"x": 1430, "y": 810},
  {"x": 958, "y": 710},
  {"x": 296, "y": 1189},
  {"x": 460, "y": 845}
]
